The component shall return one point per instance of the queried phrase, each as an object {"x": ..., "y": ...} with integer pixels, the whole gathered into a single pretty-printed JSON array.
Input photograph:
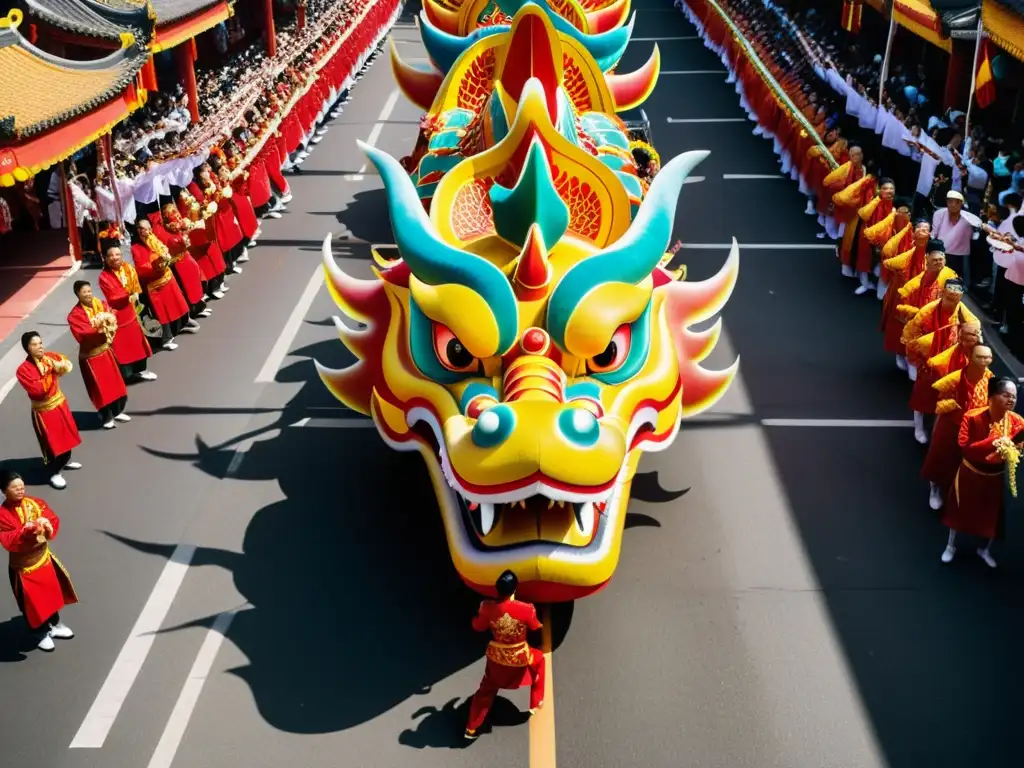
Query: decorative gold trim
[{"x": 49, "y": 404}]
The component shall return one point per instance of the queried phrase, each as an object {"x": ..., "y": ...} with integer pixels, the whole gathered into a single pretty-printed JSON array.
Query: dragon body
[{"x": 529, "y": 342}]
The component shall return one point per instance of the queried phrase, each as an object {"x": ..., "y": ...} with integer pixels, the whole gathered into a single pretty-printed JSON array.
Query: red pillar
[
  {"x": 69, "y": 215},
  {"x": 148, "y": 75},
  {"x": 958, "y": 75},
  {"x": 268, "y": 10},
  {"x": 185, "y": 59},
  {"x": 302, "y": 15}
]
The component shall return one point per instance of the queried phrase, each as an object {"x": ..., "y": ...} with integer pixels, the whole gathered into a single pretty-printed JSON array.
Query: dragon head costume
[{"x": 529, "y": 342}]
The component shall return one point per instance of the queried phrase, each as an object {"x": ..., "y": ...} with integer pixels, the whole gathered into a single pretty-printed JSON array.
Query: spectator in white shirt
[
  {"x": 1002, "y": 260},
  {"x": 1015, "y": 288},
  {"x": 952, "y": 229}
]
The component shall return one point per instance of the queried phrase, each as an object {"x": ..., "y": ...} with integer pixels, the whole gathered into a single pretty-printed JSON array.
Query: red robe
[
  {"x": 203, "y": 245},
  {"x": 51, "y": 417},
  {"x": 975, "y": 502},
  {"x": 511, "y": 662},
  {"x": 943, "y": 325},
  {"x": 958, "y": 394},
  {"x": 182, "y": 263},
  {"x": 41, "y": 584},
  {"x": 892, "y": 324},
  {"x": 130, "y": 343},
  {"x": 873, "y": 214},
  {"x": 165, "y": 296},
  {"x": 96, "y": 360},
  {"x": 245, "y": 215}
]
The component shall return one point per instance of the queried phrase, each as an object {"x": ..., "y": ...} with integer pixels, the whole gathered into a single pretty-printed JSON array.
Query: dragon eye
[
  {"x": 451, "y": 352},
  {"x": 614, "y": 354}
]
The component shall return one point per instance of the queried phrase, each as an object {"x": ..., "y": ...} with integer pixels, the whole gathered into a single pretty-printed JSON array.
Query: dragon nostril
[
  {"x": 494, "y": 426},
  {"x": 580, "y": 426}
]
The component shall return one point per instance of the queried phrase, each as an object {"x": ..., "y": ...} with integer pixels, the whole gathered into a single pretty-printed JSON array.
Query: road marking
[
  {"x": 659, "y": 39},
  {"x": 279, "y": 351},
  {"x": 389, "y": 107},
  {"x": 760, "y": 246},
  {"x": 174, "y": 731},
  {"x": 105, "y": 709},
  {"x": 692, "y": 72},
  {"x": 868, "y": 423},
  {"x": 743, "y": 176},
  {"x": 707, "y": 119},
  {"x": 542, "y": 725},
  {"x": 115, "y": 689},
  {"x": 335, "y": 423},
  {"x": 694, "y": 179}
]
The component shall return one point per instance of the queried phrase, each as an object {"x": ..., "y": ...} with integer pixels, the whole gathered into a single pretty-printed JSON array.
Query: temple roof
[
  {"x": 959, "y": 16},
  {"x": 77, "y": 17},
  {"x": 172, "y": 10},
  {"x": 42, "y": 91}
]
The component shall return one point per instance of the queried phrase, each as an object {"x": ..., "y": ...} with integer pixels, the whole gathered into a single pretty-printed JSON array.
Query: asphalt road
[{"x": 779, "y": 601}]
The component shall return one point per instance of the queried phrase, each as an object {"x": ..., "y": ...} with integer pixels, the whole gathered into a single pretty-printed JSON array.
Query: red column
[
  {"x": 69, "y": 216},
  {"x": 302, "y": 15},
  {"x": 148, "y": 76},
  {"x": 185, "y": 59},
  {"x": 958, "y": 75},
  {"x": 268, "y": 10}
]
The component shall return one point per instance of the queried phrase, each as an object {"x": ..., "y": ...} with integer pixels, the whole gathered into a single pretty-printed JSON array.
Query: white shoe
[
  {"x": 921, "y": 436},
  {"x": 811, "y": 210},
  {"x": 218, "y": 294},
  {"x": 147, "y": 376},
  {"x": 984, "y": 555},
  {"x": 124, "y": 418},
  {"x": 316, "y": 139},
  {"x": 61, "y": 631},
  {"x": 191, "y": 328},
  {"x": 848, "y": 271},
  {"x": 206, "y": 313},
  {"x": 58, "y": 482},
  {"x": 274, "y": 215},
  {"x": 109, "y": 425},
  {"x": 947, "y": 555},
  {"x": 287, "y": 198},
  {"x": 252, "y": 243},
  {"x": 225, "y": 288},
  {"x": 243, "y": 258},
  {"x": 73, "y": 465},
  {"x": 901, "y": 363},
  {"x": 935, "y": 497},
  {"x": 882, "y": 288},
  {"x": 236, "y": 270},
  {"x": 862, "y": 289},
  {"x": 170, "y": 346},
  {"x": 46, "y": 644},
  {"x": 911, "y": 372}
]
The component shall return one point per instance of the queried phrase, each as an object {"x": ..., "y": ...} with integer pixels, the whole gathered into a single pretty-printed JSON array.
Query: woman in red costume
[
  {"x": 990, "y": 441},
  {"x": 904, "y": 258},
  {"x": 165, "y": 299},
  {"x": 94, "y": 326},
  {"x": 245, "y": 215},
  {"x": 511, "y": 662},
  {"x": 198, "y": 214},
  {"x": 41, "y": 584},
  {"x": 172, "y": 230},
  {"x": 122, "y": 289},
  {"x": 225, "y": 227},
  {"x": 51, "y": 417}
]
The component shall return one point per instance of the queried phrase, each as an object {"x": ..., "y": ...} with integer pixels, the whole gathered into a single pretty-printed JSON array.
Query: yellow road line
[{"x": 542, "y": 725}]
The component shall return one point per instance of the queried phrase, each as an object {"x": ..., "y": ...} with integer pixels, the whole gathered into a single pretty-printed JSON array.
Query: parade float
[{"x": 529, "y": 342}]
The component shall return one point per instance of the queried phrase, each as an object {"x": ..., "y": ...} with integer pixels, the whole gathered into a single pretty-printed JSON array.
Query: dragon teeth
[
  {"x": 486, "y": 518},
  {"x": 585, "y": 517}
]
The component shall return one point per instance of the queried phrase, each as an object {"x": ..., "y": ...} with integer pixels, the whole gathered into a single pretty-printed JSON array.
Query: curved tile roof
[
  {"x": 74, "y": 16},
  {"x": 173, "y": 10},
  {"x": 41, "y": 91}
]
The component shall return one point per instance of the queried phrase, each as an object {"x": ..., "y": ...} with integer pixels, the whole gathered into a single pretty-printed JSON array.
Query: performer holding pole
[
  {"x": 511, "y": 662},
  {"x": 41, "y": 584}
]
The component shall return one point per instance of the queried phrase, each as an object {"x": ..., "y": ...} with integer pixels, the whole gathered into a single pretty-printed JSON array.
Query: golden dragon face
[{"x": 530, "y": 346}]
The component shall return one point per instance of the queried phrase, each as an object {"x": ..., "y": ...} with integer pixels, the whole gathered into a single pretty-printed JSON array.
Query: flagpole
[
  {"x": 888, "y": 55},
  {"x": 974, "y": 79}
]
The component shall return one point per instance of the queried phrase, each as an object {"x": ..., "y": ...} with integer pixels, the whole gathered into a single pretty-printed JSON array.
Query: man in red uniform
[
  {"x": 165, "y": 299},
  {"x": 933, "y": 330},
  {"x": 41, "y": 584},
  {"x": 876, "y": 228},
  {"x": 511, "y": 662},
  {"x": 93, "y": 325},
  {"x": 964, "y": 388},
  {"x": 976, "y": 501},
  {"x": 51, "y": 417},
  {"x": 172, "y": 231},
  {"x": 120, "y": 285},
  {"x": 903, "y": 258}
]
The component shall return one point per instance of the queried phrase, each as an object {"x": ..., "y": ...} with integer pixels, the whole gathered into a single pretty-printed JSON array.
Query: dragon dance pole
[
  {"x": 974, "y": 78},
  {"x": 888, "y": 56}
]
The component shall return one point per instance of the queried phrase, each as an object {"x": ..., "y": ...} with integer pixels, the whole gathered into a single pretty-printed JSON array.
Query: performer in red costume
[
  {"x": 51, "y": 417},
  {"x": 202, "y": 240},
  {"x": 41, "y": 584},
  {"x": 963, "y": 389},
  {"x": 165, "y": 299},
  {"x": 903, "y": 260},
  {"x": 120, "y": 285},
  {"x": 876, "y": 228},
  {"x": 94, "y": 325},
  {"x": 511, "y": 662},
  {"x": 976, "y": 500},
  {"x": 172, "y": 231}
]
